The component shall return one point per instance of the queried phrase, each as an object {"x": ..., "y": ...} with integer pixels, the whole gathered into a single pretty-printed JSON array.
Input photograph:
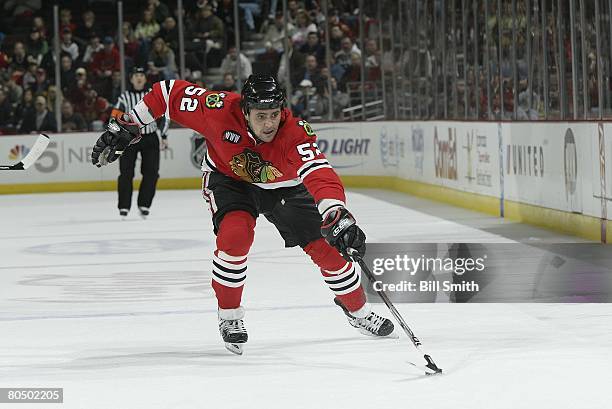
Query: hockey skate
[
  {"x": 144, "y": 212},
  {"x": 370, "y": 324},
  {"x": 123, "y": 213},
  {"x": 232, "y": 330}
]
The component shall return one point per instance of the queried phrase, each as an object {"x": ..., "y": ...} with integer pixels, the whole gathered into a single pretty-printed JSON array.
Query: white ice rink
[{"x": 121, "y": 315}]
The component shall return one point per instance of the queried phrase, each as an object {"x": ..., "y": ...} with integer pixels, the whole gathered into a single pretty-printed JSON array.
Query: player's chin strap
[
  {"x": 430, "y": 368},
  {"x": 253, "y": 134}
]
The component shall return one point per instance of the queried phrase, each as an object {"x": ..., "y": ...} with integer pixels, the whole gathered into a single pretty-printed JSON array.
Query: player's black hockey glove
[
  {"x": 340, "y": 230},
  {"x": 120, "y": 132}
]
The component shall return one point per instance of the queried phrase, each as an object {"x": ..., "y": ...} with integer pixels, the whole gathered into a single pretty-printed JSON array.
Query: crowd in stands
[
  {"x": 89, "y": 60},
  {"x": 90, "y": 77}
]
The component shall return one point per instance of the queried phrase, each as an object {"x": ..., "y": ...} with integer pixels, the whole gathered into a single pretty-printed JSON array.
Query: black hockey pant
[{"x": 148, "y": 147}]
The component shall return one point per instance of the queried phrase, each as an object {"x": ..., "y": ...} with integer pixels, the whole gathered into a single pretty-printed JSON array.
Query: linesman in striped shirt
[{"x": 149, "y": 147}]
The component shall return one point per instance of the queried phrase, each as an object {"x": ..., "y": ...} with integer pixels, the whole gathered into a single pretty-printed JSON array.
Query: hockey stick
[
  {"x": 39, "y": 147},
  {"x": 431, "y": 368}
]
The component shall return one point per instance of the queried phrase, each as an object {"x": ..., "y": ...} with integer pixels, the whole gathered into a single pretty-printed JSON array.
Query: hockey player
[{"x": 260, "y": 160}]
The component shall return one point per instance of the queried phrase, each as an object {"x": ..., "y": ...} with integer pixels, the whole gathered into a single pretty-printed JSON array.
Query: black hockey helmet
[
  {"x": 262, "y": 91},
  {"x": 137, "y": 70}
]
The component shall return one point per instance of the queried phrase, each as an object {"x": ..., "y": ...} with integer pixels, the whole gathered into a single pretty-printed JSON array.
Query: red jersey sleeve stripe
[{"x": 166, "y": 88}]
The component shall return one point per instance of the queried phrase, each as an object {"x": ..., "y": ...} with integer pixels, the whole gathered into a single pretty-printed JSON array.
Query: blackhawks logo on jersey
[
  {"x": 215, "y": 100},
  {"x": 307, "y": 128},
  {"x": 250, "y": 167}
]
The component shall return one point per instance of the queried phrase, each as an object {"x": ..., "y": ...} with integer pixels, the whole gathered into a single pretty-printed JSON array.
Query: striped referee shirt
[{"x": 128, "y": 100}]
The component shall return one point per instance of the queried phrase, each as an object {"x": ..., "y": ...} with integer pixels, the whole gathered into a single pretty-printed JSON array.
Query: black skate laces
[
  {"x": 232, "y": 326},
  {"x": 372, "y": 322}
]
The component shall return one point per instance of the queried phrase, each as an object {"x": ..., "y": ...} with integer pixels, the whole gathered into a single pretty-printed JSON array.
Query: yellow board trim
[
  {"x": 576, "y": 224},
  {"x": 580, "y": 225}
]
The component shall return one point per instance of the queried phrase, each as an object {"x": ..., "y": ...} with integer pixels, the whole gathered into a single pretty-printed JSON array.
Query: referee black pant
[{"x": 148, "y": 147}]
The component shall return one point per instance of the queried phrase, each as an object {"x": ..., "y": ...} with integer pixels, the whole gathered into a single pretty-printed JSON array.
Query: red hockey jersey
[{"x": 290, "y": 159}]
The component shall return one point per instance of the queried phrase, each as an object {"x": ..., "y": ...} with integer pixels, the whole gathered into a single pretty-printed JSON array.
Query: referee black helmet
[{"x": 137, "y": 70}]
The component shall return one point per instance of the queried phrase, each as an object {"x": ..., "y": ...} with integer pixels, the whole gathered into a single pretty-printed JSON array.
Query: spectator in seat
[
  {"x": 300, "y": 100},
  {"x": 68, "y": 45},
  {"x": 313, "y": 73},
  {"x": 229, "y": 83},
  {"x": 147, "y": 28},
  {"x": 169, "y": 32},
  {"x": 39, "y": 24},
  {"x": 19, "y": 61},
  {"x": 314, "y": 47},
  {"x": 103, "y": 64},
  {"x": 67, "y": 74},
  {"x": 208, "y": 28},
  {"x": 334, "y": 20},
  {"x": 25, "y": 105},
  {"x": 353, "y": 72},
  {"x": 37, "y": 46},
  {"x": 79, "y": 91},
  {"x": 293, "y": 8},
  {"x": 275, "y": 33},
  {"x": 66, "y": 21},
  {"x": 52, "y": 96},
  {"x": 160, "y": 10},
  {"x": 229, "y": 63},
  {"x": 6, "y": 110},
  {"x": 130, "y": 42},
  {"x": 96, "y": 110},
  {"x": 303, "y": 27},
  {"x": 42, "y": 83},
  {"x": 335, "y": 38},
  {"x": 29, "y": 78},
  {"x": 343, "y": 57},
  {"x": 93, "y": 47},
  {"x": 87, "y": 29},
  {"x": 71, "y": 121},
  {"x": 162, "y": 64},
  {"x": 14, "y": 91},
  {"x": 40, "y": 119}
]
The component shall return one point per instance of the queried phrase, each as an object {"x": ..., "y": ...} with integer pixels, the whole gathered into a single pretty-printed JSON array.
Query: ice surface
[{"x": 122, "y": 315}]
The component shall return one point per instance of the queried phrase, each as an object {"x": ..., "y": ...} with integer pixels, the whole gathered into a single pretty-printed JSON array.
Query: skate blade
[
  {"x": 234, "y": 348},
  {"x": 392, "y": 335}
]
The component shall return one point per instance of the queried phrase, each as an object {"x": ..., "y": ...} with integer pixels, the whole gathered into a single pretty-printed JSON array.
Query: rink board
[{"x": 558, "y": 175}]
